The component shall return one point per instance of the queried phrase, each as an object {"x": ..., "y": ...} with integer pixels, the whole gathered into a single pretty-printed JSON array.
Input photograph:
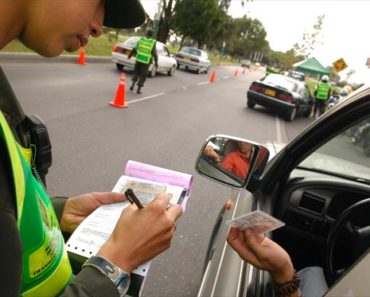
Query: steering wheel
[{"x": 358, "y": 237}]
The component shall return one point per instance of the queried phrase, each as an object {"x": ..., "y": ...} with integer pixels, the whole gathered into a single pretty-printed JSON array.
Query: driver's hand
[
  {"x": 141, "y": 234},
  {"x": 262, "y": 253}
]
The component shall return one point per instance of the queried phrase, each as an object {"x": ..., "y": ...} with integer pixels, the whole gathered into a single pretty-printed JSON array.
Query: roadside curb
[{"x": 30, "y": 57}]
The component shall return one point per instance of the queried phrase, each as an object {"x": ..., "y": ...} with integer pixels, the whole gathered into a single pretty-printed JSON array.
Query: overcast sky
[{"x": 345, "y": 31}]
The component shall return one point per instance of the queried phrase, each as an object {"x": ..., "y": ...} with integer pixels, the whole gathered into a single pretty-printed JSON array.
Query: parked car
[
  {"x": 193, "y": 59},
  {"x": 166, "y": 63},
  {"x": 319, "y": 185},
  {"x": 246, "y": 63},
  {"x": 297, "y": 75},
  {"x": 284, "y": 95}
]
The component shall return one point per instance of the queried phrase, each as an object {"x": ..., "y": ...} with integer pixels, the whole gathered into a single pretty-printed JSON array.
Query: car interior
[{"x": 325, "y": 203}]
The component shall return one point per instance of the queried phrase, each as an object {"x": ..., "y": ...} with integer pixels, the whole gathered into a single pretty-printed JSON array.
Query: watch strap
[{"x": 119, "y": 277}]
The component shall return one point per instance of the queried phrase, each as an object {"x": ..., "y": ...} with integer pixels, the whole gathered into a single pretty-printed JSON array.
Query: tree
[
  {"x": 167, "y": 7},
  {"x": 195, "y": 19},
  {"x": 310, "y": 39}
]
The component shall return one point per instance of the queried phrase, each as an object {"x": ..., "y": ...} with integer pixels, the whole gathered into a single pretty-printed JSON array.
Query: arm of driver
[
  {"x": 262, "y": 253},
  {"x": 141, "y": 234}
]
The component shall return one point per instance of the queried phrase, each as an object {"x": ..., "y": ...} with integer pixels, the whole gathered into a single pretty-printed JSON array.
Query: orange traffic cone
[
  {"x": 81, "y": 58},
  {"x": 119, "y": 100},
  {"x": 212, "y": 77},
  {"x": 236, "y": 72}
]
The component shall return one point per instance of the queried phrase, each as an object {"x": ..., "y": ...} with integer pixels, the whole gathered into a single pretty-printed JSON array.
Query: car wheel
[
  {"x": 250, "y": 104},
  {"x": 290, "y": 116},
  {"x": 153, "y": 71},
  {"x": 171, "y": 71},
  {"x": 119, "y": 66}
]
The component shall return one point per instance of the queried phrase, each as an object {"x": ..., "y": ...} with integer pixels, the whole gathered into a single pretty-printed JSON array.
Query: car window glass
[
  {"x": 160, "y": 50},
  {"x": 167, "y": 52},
  {"x": 192, "y": 51},
  {"x": 281, "y": 81},
  {"x": 132, "y": 41},
  {"x": 347, "y": 154}
]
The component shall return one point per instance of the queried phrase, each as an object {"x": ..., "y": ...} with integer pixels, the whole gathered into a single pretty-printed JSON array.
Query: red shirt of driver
[{"x": 236, "y": 163}]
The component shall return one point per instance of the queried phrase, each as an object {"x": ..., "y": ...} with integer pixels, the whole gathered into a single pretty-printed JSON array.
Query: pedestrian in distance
[
  {"x": 322, "y": 94},
  {"x": 32, "y": 252},
  {"x": 145, "y": 52}
]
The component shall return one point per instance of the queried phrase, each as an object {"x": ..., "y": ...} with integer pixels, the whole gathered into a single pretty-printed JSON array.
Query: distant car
[
  {"x": 121, "y": 51},
  {"x": 246, "y": 63},
  {"x": 297, "y": 75},
  {"x": 284, "y": 95},
  {"x": 193, "y": 59}
]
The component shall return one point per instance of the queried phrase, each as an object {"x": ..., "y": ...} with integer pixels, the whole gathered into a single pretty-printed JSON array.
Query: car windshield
[
  {"x": 192, "y": 51},
  {"x": 132, "y": 41},
  {"x": 281, "y": 81},
  {"x": 346, "y": 155}
]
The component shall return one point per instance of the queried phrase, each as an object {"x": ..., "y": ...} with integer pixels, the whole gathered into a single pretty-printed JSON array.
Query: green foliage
[{"x": 195, "y": 19}]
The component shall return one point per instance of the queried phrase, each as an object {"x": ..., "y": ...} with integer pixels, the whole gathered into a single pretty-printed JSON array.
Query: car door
[
  {"x": 161, "y": 58},
  {"x": 276, "y": 191}
]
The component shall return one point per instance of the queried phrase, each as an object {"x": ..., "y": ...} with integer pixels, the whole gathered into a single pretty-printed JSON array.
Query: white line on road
[
  {"x": 145, "y": 98},
  {"x": 226, "y": 77},
  {"x": 185, "y": 88},
  {"x": 278, "y": 130},
  {"x": 202, "y": 83}
]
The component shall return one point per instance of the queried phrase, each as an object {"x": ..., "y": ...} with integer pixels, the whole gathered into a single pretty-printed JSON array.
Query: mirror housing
[{"x": 231, "y": 161}]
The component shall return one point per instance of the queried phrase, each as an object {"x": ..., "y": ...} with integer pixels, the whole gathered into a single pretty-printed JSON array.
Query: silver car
[
  {"x": 166, "y": 63},
  {"x": 318, "y": 185},
  {"x": 193, "y": 59}
]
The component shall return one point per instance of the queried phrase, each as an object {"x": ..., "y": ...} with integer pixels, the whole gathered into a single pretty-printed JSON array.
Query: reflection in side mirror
[{"x": 231, "y": 160}]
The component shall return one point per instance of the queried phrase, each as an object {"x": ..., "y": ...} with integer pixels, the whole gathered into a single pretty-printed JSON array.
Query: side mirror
[{"x": 231, "y": 161}]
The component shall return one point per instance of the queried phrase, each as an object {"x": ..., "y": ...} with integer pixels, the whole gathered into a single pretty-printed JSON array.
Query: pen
[{"x": 132, "y": 198}]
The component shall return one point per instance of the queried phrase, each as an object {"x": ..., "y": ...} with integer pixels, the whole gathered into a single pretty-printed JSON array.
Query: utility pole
[{"x": 156, "y": 19}]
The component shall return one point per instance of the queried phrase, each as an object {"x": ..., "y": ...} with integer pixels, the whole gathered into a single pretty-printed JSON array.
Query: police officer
[
  {"x": 32, "y": 252},
  {"x": 145, "y": 51},
  {"x": 322, "y": 94}
]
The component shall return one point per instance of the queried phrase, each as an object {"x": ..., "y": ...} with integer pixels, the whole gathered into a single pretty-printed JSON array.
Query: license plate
[
  {"x": 186, "y": 58},
  {"x": 270, "y": 92}
]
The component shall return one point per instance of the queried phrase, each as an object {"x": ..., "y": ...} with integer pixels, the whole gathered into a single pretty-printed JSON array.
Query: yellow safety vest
[
  {"x": 46, "y": 268},
  {"x": 323, "y": 91},
  {"x": 144, "y": 50}
]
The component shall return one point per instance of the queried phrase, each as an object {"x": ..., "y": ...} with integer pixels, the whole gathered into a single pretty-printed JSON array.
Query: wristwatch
[{"x": 119, "y": 277}]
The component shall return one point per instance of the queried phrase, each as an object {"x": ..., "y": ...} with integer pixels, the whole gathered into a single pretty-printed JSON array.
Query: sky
[{"x": 344, "y": 34}]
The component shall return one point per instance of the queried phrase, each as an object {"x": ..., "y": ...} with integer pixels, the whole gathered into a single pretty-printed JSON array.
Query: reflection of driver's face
[{"x": 245, "y": 149}]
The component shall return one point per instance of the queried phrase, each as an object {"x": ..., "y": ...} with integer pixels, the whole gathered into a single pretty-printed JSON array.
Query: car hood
[{"x": 331, "y": 164}]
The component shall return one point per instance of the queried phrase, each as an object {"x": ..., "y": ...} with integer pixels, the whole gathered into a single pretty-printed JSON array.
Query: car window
[
  {"x": 192, "y": 51},
  {"x": 167, "y": 52},
  {"x": 281, "y": 81},
  {"x": 346, "y": 155},
  {"x": 132, "y": 41},
  {"x": 160, "y": 50}
]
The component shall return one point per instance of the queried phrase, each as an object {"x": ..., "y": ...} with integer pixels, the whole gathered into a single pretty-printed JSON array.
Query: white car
[
  {"x": 121, "y": 51},
  {"x": 194, "y": 59}
]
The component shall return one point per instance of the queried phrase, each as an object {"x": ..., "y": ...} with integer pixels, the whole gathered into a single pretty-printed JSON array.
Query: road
[{"x": 165, "y": 126}]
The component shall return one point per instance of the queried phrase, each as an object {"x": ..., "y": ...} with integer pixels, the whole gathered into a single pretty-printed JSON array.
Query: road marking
[
  {"x": 185, "y": 88},
  {"x": 226, "y": 77},
  {"x": 278, "y": 130},
  {"x": 145, "y": 98},
  {"x": 203, "y": 83}
]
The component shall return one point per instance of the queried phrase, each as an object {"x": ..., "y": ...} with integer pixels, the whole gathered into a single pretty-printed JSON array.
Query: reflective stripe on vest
[
  {"x": 144, "y": 50},
  {"x": 45, "y": 264},
  {"x": 323, "y": 91}
]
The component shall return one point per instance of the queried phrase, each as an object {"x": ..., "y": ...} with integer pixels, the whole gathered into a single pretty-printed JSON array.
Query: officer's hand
[
  {"x": 141, "y": 234},
  {"x": 78, "y": 208},
  {"x": 262, "y": 253}
]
